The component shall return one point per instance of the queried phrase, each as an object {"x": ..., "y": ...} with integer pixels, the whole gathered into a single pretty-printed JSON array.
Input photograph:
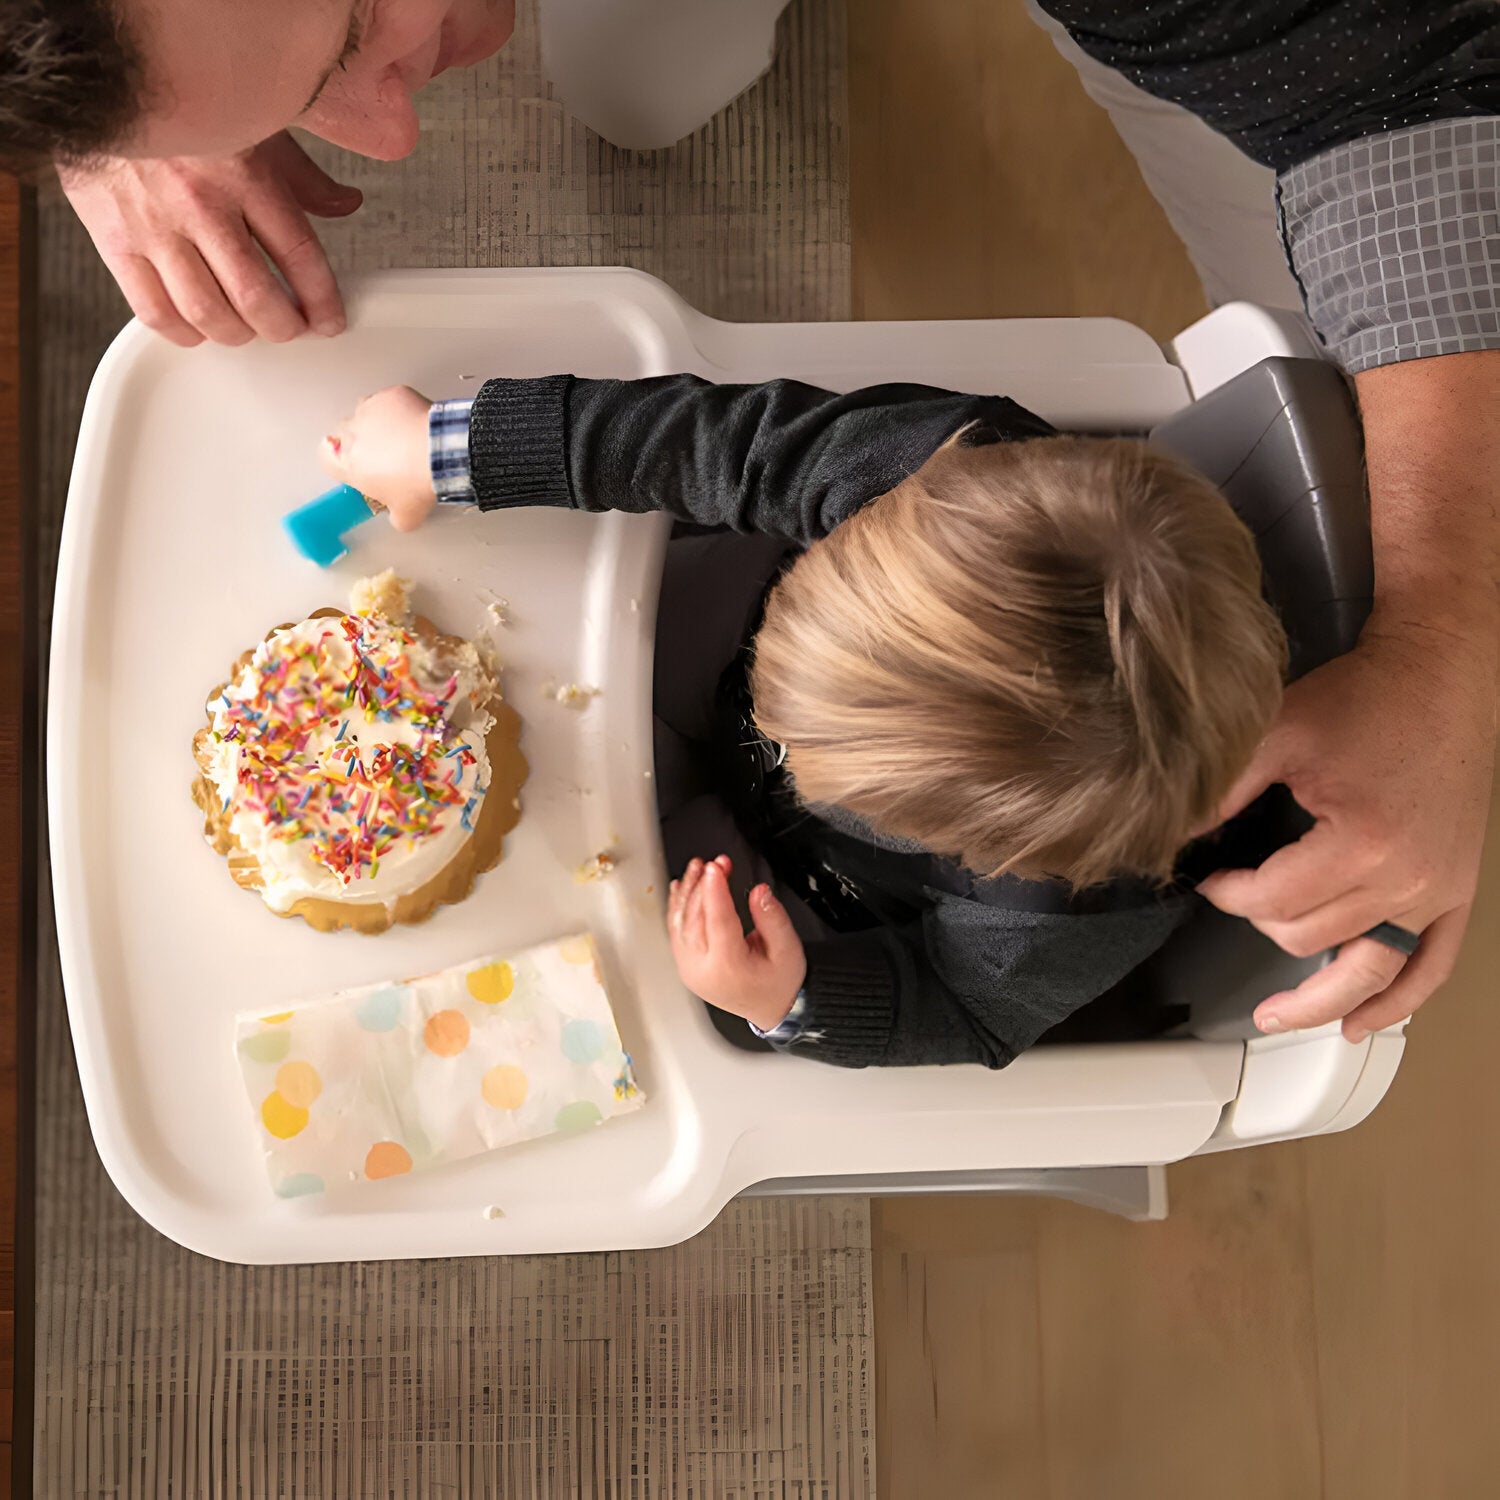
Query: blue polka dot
[
  {"x": 299, "y": 1185},
  {"x": 583, "y": 1041},
  {"x": 381, "y": 1010}
]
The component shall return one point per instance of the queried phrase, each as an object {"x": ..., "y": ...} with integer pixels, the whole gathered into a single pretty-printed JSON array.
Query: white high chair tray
[{"x": 173, "y": 561}]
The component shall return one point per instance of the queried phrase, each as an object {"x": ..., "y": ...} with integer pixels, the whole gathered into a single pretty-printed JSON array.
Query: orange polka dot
[
  {"x": 387, "y": 1159},
  {"x": 298, "y": 1083},
  {"x": 491, "y": 984},
  {"x": 282, "y": 1118},
  {"x": 446, "y": 1033},
  {"x": 504, "y": 1087}
]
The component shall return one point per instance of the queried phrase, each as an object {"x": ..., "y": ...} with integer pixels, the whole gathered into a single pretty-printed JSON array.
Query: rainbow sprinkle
[{"x": 351, "y": 803}]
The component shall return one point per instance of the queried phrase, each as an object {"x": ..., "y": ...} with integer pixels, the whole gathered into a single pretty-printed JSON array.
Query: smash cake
[{"x": 359, "y": 768}]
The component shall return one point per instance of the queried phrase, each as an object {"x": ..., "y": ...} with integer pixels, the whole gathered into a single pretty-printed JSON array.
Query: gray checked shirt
[{"x": 1381, "y": 119}]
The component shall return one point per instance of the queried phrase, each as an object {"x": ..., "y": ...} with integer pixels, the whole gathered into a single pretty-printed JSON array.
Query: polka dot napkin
[{"x": 393, "y": 1078}]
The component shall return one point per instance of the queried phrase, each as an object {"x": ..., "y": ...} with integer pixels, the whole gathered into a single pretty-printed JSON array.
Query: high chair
[{"x": 173, "y": 561}]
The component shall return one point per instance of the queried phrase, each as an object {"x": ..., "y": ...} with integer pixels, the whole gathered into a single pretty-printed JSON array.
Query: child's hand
[
  {"x": 756, "y": 977},
  {"x": 383, "y": 451}
]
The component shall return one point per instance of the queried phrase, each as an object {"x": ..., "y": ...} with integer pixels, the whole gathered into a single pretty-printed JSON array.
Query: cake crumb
[
  {"x": 574, "y": 695},
  {"x": 385, "y": 594},
  {"x": 488, "y": 657},
  {"x": 597, "y": 868},
  {"x": 495, "y": 607}
]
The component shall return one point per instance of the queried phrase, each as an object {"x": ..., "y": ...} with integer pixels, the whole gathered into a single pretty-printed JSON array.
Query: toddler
[{"x": 993, "y": 680}]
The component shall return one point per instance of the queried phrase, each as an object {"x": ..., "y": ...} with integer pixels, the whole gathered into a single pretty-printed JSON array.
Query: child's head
[{"x": 1049, "y": 658}]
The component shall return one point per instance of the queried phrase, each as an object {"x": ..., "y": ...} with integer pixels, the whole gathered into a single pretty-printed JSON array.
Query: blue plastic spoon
[{"x": 318, "y": 528}]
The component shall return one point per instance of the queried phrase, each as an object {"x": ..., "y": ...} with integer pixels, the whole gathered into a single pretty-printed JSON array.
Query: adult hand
[
  {"x": 756, "y": 976},
  {"x": 383, "y": 450},
  {"x": 184, "y": 239},
  {"x": 1391, "y": 749}
]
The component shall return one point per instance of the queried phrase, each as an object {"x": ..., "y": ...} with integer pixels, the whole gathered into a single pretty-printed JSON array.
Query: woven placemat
[{"x": 735, "y": 1365}]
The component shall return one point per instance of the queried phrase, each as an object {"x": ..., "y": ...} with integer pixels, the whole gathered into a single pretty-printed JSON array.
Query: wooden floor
[
  {"x": 985, "y": 184},
  {"x": 1313, "y": 1320}
]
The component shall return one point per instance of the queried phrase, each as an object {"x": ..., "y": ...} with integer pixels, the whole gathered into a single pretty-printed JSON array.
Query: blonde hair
[{"x": 1047, "y": 658}]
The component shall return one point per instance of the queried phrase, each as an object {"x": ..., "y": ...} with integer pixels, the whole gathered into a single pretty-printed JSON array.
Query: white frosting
[{"x": 287, "y": 863}]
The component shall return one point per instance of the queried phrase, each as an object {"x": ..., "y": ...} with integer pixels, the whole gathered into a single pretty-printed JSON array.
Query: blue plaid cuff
[
  {"x": 448, "y": 441},
  {"x": 789, "y": 1027}
]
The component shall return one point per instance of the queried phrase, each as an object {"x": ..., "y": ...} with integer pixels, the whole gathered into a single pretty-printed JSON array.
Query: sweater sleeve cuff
[
  {"x": 1395, "y": 242},
  {"x": 849, "y": 1003},
  {"x": 518, "y": 443}
]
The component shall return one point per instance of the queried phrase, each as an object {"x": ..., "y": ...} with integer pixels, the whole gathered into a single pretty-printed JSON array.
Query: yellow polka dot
[
  {"x": 504, "y": 1087},
  {"x": 279, "y": 1019},
  {"x": 387, "y": 1159},
  {"x": 298, "y": 1083},
  {"x": 282, "y": 1118},
  {"x": 446, "y": 1033},
  {"x": 577, "y": 950},
  {"x": 491, "y": 984}
]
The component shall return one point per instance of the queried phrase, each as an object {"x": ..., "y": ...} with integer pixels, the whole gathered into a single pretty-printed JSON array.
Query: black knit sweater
[{"x": 962, "y": 969}]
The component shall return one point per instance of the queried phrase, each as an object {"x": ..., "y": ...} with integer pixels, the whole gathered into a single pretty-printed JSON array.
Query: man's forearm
[
  {"x": 1432, "y": 449},
  {"x": 1391, "y": 748}
]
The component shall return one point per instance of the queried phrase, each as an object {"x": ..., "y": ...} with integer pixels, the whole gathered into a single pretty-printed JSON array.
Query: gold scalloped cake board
[
  {"x": 499, "y": 813},
  {"x": 737, "y": 1365}
]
